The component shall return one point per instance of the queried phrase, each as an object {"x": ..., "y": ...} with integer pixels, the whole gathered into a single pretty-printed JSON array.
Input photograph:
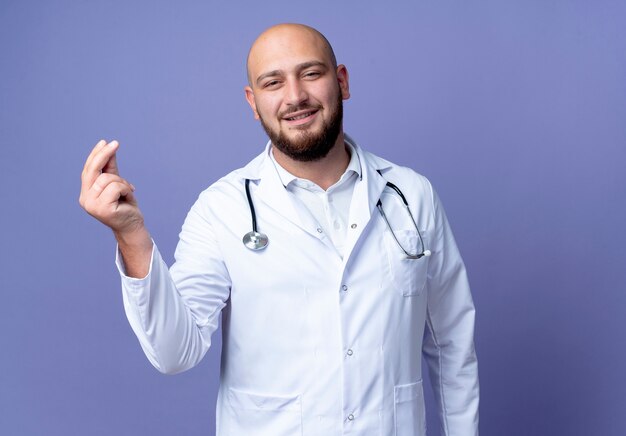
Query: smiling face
[{"x": 296, "y": 91}]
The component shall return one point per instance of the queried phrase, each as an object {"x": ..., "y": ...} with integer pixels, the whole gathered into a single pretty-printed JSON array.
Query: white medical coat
[{"x": 314, "y": 344}]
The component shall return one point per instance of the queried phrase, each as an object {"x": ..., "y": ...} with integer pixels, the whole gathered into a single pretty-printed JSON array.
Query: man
[{"x": 328, "y": 306}]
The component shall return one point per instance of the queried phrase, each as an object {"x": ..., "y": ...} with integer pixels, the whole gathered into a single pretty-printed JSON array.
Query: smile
[{"x": 301, "y": 117}]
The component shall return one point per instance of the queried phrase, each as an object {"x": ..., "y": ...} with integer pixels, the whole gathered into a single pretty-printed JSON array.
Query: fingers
[
  {"x": 114, "y": 191},
  {"x": 104, "y": 179},
  {"x": 89, "y": 197},
  {"x": 109, "y": 200},
  {"x": 111, "y": 165},
  {"x": 95, "y": 151},
  {"x": 98, "y": 160}
]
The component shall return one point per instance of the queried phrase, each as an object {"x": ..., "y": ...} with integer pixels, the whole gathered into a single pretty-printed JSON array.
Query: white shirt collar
[{"x": 288, "y": 179}]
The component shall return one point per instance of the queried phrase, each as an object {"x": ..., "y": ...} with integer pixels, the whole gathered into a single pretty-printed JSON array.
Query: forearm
[
  {"x": 136, "y": 250},
  {"x": 166, "y": 328}
]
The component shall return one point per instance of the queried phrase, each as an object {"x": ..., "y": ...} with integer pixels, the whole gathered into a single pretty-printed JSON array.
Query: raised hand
[
  {"x": 110, "y": 199},
  {"x": 104, "y": 194}
]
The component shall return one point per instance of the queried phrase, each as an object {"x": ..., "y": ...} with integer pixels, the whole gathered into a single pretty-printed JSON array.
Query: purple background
[{"x": 516, "y": 111}]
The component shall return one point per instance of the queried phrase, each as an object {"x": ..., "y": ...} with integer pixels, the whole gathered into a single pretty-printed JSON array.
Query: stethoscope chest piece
[{"x": 255, "y": 240}]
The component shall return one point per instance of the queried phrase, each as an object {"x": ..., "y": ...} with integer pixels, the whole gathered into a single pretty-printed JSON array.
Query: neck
[{"x": 324, "y": 172}]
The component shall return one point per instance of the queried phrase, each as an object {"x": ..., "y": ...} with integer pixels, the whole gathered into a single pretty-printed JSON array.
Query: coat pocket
[
  {"x": 409, "y": 412},
  {"x": 257, "y": 414},
  {"x": 408, "y": 276}
]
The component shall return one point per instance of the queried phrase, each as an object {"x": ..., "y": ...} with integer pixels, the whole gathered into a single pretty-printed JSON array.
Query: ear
[
  {"x": 251, "y": 101},
  {"x": 342, "y": 78}
]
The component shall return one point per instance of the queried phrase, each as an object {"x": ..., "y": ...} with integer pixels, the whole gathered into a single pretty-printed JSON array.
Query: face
[{"x": 296, "y": 92}]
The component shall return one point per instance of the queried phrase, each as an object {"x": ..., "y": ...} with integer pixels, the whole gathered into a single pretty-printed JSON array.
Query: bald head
[{"x": 284, "y": 38}]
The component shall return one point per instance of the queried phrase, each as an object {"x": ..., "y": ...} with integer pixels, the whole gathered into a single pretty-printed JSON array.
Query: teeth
[{"x": 299, "y": 117}]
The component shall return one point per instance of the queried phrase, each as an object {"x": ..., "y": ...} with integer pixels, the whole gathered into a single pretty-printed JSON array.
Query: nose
[{"x": 295, "y": 93}]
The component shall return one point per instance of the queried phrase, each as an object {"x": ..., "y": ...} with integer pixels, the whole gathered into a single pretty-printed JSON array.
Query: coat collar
[{"x": 367, "y": 191}]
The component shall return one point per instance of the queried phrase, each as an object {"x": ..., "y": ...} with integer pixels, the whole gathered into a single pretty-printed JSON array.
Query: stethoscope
[
  {"x": 379, "y": 205},
  {"x": 255, "y": 240}
]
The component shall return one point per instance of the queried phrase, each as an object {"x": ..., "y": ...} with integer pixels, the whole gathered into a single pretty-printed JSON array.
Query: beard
[{"x": 308, "y": 146}]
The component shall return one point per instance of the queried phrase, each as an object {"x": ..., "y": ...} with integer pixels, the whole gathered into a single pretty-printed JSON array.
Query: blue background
[{"x": 516, "y": 111}]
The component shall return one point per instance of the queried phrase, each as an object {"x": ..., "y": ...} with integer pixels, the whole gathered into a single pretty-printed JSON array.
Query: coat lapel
[{"x": 366, "y": 194}]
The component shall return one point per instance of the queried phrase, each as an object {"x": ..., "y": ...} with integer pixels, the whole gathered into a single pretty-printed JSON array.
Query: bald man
[{"x": 334, "y": 270}]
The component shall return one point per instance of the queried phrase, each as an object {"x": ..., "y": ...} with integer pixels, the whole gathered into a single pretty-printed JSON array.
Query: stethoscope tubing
[
  {"x": 256, "y": 240},
  {"x": 252, "y": 212}
]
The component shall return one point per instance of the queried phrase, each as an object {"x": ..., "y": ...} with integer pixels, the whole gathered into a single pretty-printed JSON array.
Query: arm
[
  {"x": 174, "y": 312},
  {"x": 449, "y": 336},
  {"x": 173, "y": 315}
]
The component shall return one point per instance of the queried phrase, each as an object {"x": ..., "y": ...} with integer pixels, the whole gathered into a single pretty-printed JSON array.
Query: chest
[{"x": 301, "y": 264}]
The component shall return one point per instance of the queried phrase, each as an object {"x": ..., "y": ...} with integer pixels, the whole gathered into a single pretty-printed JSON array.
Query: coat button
[
  {"x": 344, "y": 288},
  {"x": 349, "y": 352},
  {"x": 353, "y": 226},
  {"x": 319, "y": 230},
  {"x": 351, "y": 417}
]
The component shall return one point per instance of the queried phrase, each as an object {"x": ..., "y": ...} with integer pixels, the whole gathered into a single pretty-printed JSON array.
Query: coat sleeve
[
  {"x": 448, "y": 346},
  {"x": 174, "y": 312}
]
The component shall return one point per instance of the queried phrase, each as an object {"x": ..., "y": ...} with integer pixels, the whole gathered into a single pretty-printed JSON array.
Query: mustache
[{"x": 299, "y": 108}]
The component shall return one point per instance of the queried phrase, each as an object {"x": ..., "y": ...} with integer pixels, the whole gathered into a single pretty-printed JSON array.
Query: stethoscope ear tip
[{"x": 427, "y": 253}]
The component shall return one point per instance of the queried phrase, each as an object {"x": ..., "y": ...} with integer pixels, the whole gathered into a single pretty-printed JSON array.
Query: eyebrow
[{"x": 299, "y": 67}]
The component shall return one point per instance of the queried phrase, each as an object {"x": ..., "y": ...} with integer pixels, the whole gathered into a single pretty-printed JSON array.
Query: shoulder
[
  {"x": 404, "y": 177},
  {"x": 228, "y": 190}
]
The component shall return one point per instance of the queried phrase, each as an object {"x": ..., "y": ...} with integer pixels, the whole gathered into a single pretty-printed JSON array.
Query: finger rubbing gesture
[
  {"x": 110, "y": 199},
  {"x": 104, "y": 194}
]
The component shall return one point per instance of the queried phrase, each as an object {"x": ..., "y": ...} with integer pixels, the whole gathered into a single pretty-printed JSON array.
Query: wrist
[
  {"x": 137, "y": 237},
  {"x": 136, "y": 249}
]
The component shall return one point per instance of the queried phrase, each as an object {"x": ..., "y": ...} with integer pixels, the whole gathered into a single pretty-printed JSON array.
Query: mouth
[{"x": 301, "y": 117}]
